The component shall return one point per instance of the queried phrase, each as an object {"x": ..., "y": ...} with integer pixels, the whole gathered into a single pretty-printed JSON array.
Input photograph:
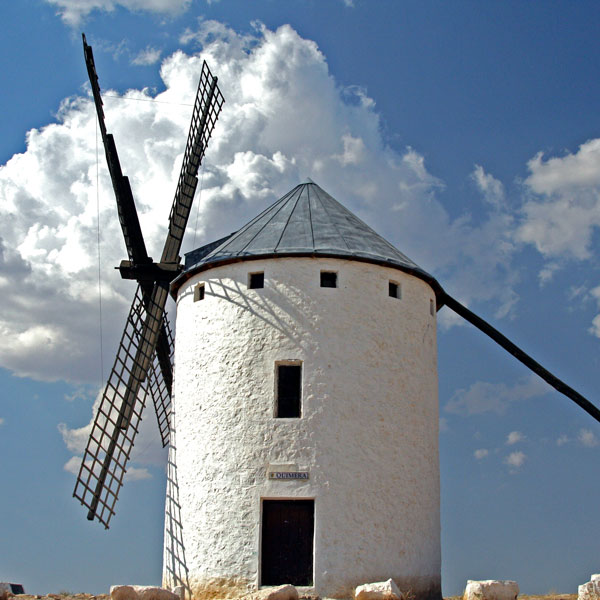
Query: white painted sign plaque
[{"x": 288, "y": 475}]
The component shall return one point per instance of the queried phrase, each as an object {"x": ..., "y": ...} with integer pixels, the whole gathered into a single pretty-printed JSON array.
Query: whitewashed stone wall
[{"x": 368, "y": 433}]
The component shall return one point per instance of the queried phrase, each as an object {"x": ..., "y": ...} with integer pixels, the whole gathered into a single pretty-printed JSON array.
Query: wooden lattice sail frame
[{"x": 144, "y": 359}]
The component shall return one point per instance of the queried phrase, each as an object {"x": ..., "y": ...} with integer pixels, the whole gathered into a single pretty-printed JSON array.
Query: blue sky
[{"x": 467, "y": 133}]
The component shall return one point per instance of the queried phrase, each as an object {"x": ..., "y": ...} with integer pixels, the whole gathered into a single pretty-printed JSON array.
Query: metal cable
[{"x": 147, "y": 100}]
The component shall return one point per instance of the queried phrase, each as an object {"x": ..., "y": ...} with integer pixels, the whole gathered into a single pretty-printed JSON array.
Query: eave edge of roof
[{"x": 416, "y": 272}]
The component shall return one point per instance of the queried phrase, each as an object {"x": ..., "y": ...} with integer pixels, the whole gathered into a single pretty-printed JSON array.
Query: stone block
[
  {"x": 179, "y": 591},
  {"x": 283, "y": 592},
  {"x": 381, "y": 590},
  {"x": 590, "y": 590},
  {"x": 141, "y": 592},
  {"x": 123, "y": 592},
  {"x": 491, "y": 589},
  {"x": 147, "y": 592}
]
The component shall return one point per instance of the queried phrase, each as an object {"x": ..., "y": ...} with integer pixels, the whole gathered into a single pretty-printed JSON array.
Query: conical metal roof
[{"x": 307, "y": 221}]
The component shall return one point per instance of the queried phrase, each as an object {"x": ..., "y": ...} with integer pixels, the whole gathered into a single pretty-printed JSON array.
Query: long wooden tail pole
[{"x": 492, "y": 332}]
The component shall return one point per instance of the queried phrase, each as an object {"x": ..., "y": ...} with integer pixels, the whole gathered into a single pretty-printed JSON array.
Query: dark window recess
[
  {"x": 199, "y": 292},
  {"x": 287, "y": 542},
  {"x": 257, "y": 280},
  {"x": 431, "y": 307},
  {"x": 16, "y": 588},
  {"x": 394, "y": 289},
  {"x": 289, "y": 391},
  {"x": 328, "y": 279}
]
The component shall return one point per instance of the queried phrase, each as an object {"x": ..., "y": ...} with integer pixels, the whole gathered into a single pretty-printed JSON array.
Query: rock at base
[
  {"x": 381, "y": 590},
  {"x": 590, "y": 590},
  {"x": 491, "y": 589},
  {"x": 141, "y": 592},
  {"x": 283, "y": 592}
]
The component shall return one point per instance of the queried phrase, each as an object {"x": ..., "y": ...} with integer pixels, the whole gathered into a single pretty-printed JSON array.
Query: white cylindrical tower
[{"x": 305, "y": 410}]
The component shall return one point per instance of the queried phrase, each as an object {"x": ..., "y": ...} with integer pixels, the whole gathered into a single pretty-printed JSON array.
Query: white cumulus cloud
[
  {"x": 514, "y": 437},
  {"x": 491, "y": 188},
  {"x": 75, "y": 439},
  {"x": 487, "y": 249},
  {"x": 587, "y": 438},
  {"x": 561, "y": 213},
  {"x": 148, "y": 56},
  {"x": 483, "y": 397},
  {"x": 563, "y": 210},
  {"x": 515, "y": 459},
  {"x": 73, "y": 12},
  {"x": 481, "y": 453},
  {"x": 285, "y": 118},
  {"x": 595, "y": 327}
]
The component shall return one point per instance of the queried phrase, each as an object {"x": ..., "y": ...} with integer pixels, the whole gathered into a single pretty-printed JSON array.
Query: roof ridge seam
[
  {"x": 312, "y": 233},
  {"x": 288, "y": 219}
]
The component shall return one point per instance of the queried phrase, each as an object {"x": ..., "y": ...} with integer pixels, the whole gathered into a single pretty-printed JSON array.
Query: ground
[{"x": 81, "y": 596}]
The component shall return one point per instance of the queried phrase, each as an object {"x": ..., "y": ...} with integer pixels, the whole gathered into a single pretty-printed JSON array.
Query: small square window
[
  {"x": 289, "y": 391},
  {"x": 394, "y": 289},
  {"x": 256, "y": 281},
  {"x": 199, "y": 292},
  {"x": 329, "y": 279}
]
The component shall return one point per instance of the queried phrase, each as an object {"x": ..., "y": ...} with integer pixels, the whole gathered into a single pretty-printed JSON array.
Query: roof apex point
[{"x": 308, "y": 180}]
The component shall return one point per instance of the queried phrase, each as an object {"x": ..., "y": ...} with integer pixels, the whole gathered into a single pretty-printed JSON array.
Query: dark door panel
[{"x": 287, "y": 542}]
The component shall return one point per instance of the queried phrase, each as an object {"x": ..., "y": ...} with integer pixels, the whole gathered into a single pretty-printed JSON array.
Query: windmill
[
  {"x": 310, "y": 230},
  {"x": 143, "y": 361}
]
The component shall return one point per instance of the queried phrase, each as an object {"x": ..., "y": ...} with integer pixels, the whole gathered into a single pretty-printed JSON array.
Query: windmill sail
[
  {"x": 160, "y": 389},
  {"x": 130, "y": 224},
  {"x": 207, "y": 107},
  {"x": 116, "y": 422},
  {"x": 143, "y": 362}
]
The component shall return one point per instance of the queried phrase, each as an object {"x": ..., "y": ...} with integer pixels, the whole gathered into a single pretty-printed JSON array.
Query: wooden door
[{"x": 287, "y": 542}]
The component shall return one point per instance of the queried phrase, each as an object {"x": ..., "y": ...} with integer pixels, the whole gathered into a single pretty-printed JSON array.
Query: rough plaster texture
[{"x": 368, "y": 434}]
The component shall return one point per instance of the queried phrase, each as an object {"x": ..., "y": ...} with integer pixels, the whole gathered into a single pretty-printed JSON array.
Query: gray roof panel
[
  {"x": 267, "y": 240},
  {"x": 297, "y": 235},
  {"x": 262, "y": 233}
]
